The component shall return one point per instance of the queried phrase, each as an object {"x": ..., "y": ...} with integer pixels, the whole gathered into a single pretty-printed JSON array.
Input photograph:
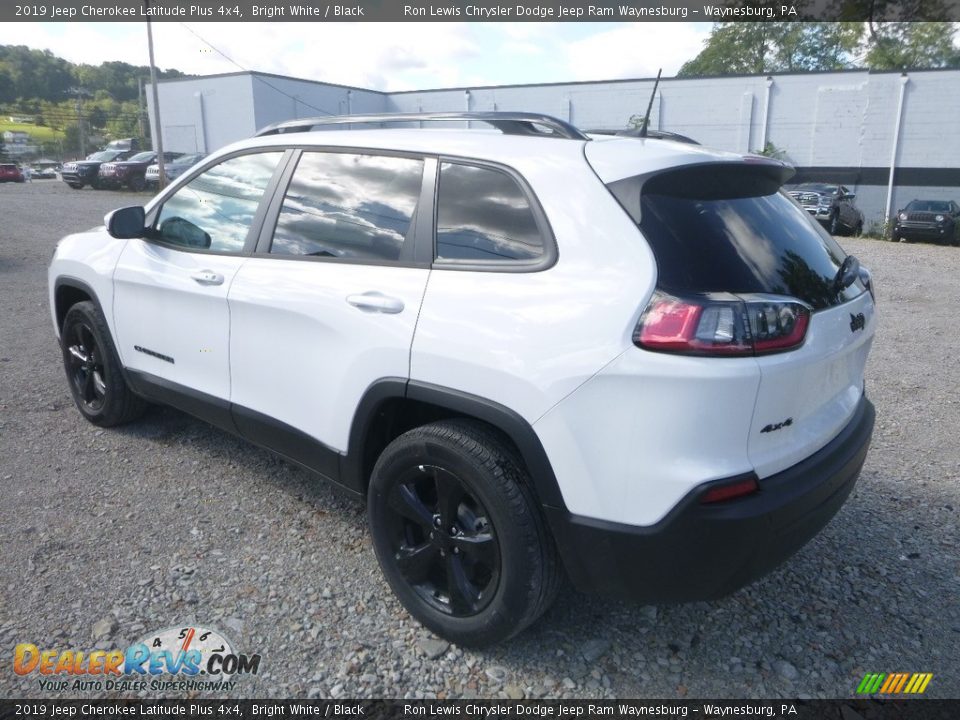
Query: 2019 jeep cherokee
[{"x": 536, "y": 351}]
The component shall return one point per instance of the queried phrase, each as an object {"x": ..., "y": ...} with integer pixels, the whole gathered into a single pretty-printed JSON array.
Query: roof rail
[{"x": 509, "y": 123}]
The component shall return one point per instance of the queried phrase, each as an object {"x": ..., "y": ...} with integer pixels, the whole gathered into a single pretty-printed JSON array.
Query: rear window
[{"x": 729, "y": 229}]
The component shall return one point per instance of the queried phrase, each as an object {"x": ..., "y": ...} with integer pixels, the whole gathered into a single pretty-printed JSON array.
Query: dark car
[
  {"x": 85, "y": 172},
  {"x": 172, "y": 170},
  {"x": 831, "y": 204},
  {"x": 936, "y": 220},
  {"x": 10, "y": 173},
  {"x": 130, "y": 173}
]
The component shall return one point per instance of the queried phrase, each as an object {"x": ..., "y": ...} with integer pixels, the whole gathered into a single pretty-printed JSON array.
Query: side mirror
[
  {"x": 850, "y": 196},
  {"x": 125, "y": 223}
]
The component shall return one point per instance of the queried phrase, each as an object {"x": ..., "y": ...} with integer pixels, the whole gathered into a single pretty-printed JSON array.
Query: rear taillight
[{"x": 722, "y": 325}]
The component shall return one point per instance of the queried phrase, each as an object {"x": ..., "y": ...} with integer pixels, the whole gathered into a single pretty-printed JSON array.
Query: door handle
[
  {"x": 376, "y": 302},
  {"x": 207, "y": 277}
]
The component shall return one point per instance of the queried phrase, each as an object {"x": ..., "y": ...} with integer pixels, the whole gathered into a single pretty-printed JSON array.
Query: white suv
[{"x": 531, "y": 350}]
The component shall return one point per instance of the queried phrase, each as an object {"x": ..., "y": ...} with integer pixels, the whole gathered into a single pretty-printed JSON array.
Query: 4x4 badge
[
  {"x": 857, "y": 322},
  {"x": 777, "y": 426}
]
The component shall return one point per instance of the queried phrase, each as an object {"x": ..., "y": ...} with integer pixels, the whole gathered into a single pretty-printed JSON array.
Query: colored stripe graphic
[{"x": 894, "y": 683}]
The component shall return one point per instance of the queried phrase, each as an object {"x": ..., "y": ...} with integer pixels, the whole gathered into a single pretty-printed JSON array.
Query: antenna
[{"x": 646, "y": 118}]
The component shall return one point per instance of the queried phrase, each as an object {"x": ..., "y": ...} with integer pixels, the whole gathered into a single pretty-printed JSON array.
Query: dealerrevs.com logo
[{"x": 180, "y": 658}]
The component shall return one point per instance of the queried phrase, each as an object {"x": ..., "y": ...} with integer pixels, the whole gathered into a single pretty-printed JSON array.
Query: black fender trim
[
  {"x": 461, "y": 403},
  {"x": 77, "y": 284}
]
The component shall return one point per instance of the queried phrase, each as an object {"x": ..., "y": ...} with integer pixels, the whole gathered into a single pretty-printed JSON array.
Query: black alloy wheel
[
  {"x": 442, "y": 541},
  {"x": 85, "y": 367},
  {"x": 93, "y": 370},
  {"x": 459, "y": 533}
]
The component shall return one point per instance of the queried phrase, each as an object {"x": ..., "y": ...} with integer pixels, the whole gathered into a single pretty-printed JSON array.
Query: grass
[{"x": 38, "y": 133}]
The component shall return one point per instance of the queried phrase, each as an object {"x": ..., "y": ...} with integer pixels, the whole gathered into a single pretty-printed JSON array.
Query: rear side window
[
  {"x": 729, "y": 229},
  {"x": 483, "y": 215},
  {"x": 343, "y": 205}
]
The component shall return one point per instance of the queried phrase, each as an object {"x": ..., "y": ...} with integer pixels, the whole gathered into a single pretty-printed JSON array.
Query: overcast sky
[{"x": 383, "y": 56}]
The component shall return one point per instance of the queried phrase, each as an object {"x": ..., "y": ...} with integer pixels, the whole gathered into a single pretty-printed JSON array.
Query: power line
[{"x": 254, "y": 75}]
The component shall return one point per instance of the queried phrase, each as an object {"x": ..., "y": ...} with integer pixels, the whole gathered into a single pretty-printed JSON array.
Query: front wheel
[
  {"x": 76, "y": 186},
  {"x": 459, "y": 534},
  {"x": 834, "y": 228},
  {"x": 93, "y": 370},
  {"x": 138, "y": 184}
]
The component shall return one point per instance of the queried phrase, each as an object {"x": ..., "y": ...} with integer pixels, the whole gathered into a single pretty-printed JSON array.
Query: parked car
[
  {"x": 173, "y": 170},
  {"x": 936, "y": 220},
  {"x": 80, "y": 173},
  {"x": 10, "y": 172},
  {"x": 130, "y": 173},
  {"x": 832, "y": 205},
  {"x": 45, "y": 170},
  {"x": 535, "y": 352}
]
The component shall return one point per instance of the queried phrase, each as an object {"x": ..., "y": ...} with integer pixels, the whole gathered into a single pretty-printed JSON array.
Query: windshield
[
  {"x": 104, "y": 156},
  {"x": 727, "y": 229},
  {"x": 188, "y": 159},
  {"x": 141, "y": 157},
  {"x": 928, "y": 206}
]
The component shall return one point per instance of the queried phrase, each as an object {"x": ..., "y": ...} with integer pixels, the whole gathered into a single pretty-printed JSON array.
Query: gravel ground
[{"x": 169, "y": 522}]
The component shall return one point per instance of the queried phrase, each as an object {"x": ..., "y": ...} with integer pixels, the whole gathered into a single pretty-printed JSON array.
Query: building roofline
[
  {"x": 616, "y": 81},
  {"x": 270, "y": 75},
  {"x": 844, "y": 71}
]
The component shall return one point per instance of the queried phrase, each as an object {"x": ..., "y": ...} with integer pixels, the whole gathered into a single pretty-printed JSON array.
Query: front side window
[
  {"x": 349, "y": 206},
  {"x": 215, "y": 210},
  {"x": 483, "y": 215}
]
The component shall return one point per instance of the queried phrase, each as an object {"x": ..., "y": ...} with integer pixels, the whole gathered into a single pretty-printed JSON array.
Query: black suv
[
  {"x": 936, "y": 220},
  {"x": 86, "y": 172},
  {"x": 831, "y": 204}
]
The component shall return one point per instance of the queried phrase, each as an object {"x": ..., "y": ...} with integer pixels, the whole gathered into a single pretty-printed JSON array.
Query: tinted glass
[
  {"x": 214, "y": 211},
  {"x": 928, "y": 206},
  {"x": 341, "y": 205},
  {"x": 711, "y": 231},
  {"x": 483, "y": 215}
]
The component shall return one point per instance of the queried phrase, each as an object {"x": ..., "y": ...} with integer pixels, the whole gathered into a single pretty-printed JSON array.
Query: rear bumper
[{"x": 703, "y": 552}]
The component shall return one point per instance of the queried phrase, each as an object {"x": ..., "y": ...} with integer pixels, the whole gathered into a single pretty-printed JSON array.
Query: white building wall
[{"x": 835, "y": 126}]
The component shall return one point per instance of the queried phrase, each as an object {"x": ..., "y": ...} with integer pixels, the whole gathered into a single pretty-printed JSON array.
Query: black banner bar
[
  {"x": 478, "y": 10},
  {"x": 47, "y": 709}
]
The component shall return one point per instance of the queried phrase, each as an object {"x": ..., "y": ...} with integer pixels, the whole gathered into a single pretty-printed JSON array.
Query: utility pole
[
  {"x": 158, "y": 130},
  {"x": 80, "y": 92},
  {"x": 141, "y": 111}
]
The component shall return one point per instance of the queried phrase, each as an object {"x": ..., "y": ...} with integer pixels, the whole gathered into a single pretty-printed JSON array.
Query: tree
[
  {"x": 907, "y": 45},
  {"x": 756, "y": 48}
]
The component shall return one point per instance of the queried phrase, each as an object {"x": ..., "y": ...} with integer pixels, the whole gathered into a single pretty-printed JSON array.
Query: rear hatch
[{"x": 767, "y": 280}]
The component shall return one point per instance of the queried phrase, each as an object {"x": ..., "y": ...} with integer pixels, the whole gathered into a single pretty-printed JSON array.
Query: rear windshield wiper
[{"x": 847, "y": 274}]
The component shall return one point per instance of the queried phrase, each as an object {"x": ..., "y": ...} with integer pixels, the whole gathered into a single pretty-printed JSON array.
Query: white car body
[{"x": 629, "y": 434}]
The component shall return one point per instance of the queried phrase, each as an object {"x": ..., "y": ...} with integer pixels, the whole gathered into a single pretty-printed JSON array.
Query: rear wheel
[
  {"x": 76, "y": 186},
  {"x": 93, "y": 369},
  {"x": 858, "y": 230},
  {"x": 459, "y": 535}
]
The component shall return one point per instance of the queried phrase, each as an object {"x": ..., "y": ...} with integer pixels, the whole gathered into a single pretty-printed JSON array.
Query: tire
[
  {"x": 138, "y": 184},
  {"x": 459, "y": 535},
  {"x": 76, "y": 186},
  {"x": 834, "y": 227},
  {"x": 93, "y": 370},
  {"x": 858, "y": 230}
]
